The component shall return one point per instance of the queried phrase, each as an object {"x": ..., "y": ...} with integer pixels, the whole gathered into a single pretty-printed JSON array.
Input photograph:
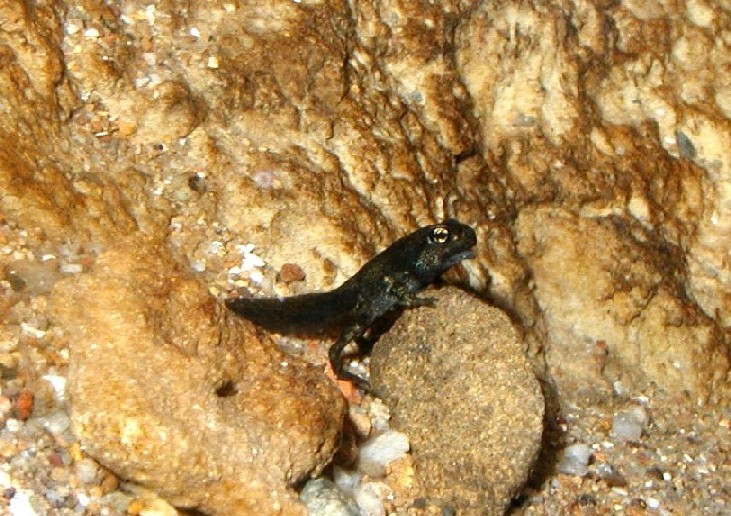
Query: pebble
[
  {"x": 379, "y": 451},
  {"x": 346, "y": 480},
  {"x": 57, "y": 423},
  {"x": 87, "y": 471},
  {"x": 12, "y": 424},
  {"x": 20, "y": 503},
  {"x": 31, "y": 276},
  {"x": 24, "y": 405},
  {"x": 58, "y": 383},
  {"x": 291, "y": 272},
  {"x": 575, "y": 460},
  {"x": 322, "y": 498},
  {"x": 627, "y": 425},
  {"x": 369, "y": 497}
]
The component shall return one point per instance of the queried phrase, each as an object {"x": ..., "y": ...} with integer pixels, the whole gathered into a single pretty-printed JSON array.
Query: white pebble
[
  {"x": 370, "y": 496},
  {"x": 72, "y": 27},
  {"x": 198, "y": 265},
  {"x": 30, "y": 330},
  {"x": 346, "y": 480},
  {"x": 59, "y": 385},
  {"x": 91, "y": 33},
  {"x": 20, "y": 503},
  {"x": 379, "y": 451},
  {"x": 575, "y": 460},
  {"x": 57, "y": 423},
  {"x": 72, "y": 268},
  {"x": 653, "y": 503},
  {"x": 83, "y": 499},
  {"x": 251, "y": 261},
  {"x": 12, "y": 424},
  {"x": 87, "y": 471},
  {"x": 627, "y": 425}
]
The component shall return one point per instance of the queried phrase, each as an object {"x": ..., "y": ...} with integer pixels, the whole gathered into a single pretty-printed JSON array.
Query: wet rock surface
[
  {"x": 169, "y": 392},
  {"x": 462, "y": 390}
]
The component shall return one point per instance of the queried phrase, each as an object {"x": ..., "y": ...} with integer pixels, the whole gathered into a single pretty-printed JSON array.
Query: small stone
[
  {"x": 87, "y": 471},
  {"x": 628, "y": 425},
  {"x": 58, "y": 383},
  {"x": 291, "y": 272},
  {"x": 71, "y": 268},
  {"x": 379, "y": 451},
  {"x": 575, "y": 460},
  {"x": 109, "y": 483},
  {"x": 57, "y": 423},
  {"x": 20, "y": 503},
  {"x": 322, "y": 498},
  {"x": 346, "y": 480},
  {"x": 370, "y": 496},
  {"x": 32, "y": 277},
  {"x": 24, "y": 405},
  {"x": 13, "y": 425}
]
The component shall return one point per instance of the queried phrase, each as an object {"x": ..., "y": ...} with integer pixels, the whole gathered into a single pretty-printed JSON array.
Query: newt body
[{"x": 390, "y": 281}]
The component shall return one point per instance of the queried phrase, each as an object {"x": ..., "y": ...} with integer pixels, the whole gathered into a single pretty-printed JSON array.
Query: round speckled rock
[{"x": 460, "y": 387}]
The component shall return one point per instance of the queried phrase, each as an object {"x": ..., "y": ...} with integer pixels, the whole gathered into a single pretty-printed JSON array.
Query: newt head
[{"x": 445, "y": 245}]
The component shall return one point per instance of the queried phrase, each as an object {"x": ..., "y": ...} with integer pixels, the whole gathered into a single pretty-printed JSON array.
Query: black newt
[{"x": 390, "y": 281}]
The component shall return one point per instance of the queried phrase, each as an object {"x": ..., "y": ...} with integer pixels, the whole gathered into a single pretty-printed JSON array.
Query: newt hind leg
[{"x": 336, "y": 357}]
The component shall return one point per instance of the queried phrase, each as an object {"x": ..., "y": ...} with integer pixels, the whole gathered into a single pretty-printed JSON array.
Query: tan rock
[
  {"x": 459, "y": 386},
  {"x": 169, "y": 392},
  {"x": 610, "y": 312}
]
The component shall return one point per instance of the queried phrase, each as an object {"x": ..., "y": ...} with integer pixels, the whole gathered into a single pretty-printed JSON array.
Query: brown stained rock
[
  {"x": 617, "y": 114},
  {"x": 169, "y": 392},
  {"x": 459, "y": 385},
  {"x": 634, "y": 326}
]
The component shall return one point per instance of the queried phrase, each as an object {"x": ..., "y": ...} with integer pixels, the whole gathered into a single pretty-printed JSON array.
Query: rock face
[
  {"x": 169, "y": 392},
  {"x": 462, "y": 390}
]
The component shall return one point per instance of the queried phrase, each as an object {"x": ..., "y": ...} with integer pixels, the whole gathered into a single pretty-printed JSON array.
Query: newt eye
[{"x": 439, "y": 235}]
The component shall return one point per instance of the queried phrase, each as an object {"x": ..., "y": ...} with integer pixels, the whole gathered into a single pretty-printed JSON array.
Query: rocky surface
[
  {"x": 168, "y": 391},
  {"x": 587, "y": 142},
  {"x": 459, "y": 371}
]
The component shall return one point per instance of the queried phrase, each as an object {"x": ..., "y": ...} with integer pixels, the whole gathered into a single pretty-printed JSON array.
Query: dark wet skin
[{"x": 387, "y": 283}]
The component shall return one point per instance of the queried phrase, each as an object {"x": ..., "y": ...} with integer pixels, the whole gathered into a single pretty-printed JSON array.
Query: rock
[
  {"x": 170, "y": 393},
  {"x": 380, "y": 450},
  {"x": 628, "y": 425},
  {"x": 323, "y": 498},
  {"x": 370, "y": 497},
  {"x": 633, "y": 328},
  {"x": 459, "y": 386},
  {"x": 575, "y": 460},
  {"x": 33, "y": 277}
]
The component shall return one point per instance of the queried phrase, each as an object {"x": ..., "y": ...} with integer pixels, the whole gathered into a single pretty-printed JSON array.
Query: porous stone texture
[
  {"x": 460, "y": 387},
  {"x": 170, "y": 392}
]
